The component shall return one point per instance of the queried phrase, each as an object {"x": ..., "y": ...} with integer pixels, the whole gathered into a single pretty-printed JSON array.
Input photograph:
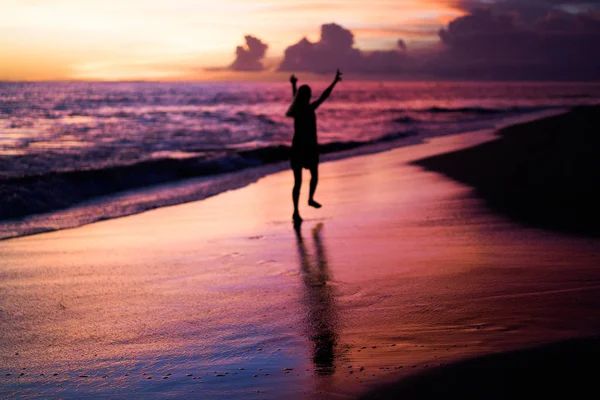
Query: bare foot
[
  {"x": 296, "y": 218},
  {"x": 314, "y": 204}
]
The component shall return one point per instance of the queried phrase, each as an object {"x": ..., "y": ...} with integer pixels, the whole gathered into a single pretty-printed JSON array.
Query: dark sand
[
  {"x": 544, "y": 173},
  {"x": 567, "y": 370}
]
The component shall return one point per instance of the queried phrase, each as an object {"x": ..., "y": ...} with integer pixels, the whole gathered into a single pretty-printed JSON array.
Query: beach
[
  {"x": 404, "y": 271},
  {"x": 542, "y": 172}
]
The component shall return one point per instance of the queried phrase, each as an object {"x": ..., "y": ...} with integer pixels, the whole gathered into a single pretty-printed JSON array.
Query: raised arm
[
  {"x": 327, "y": 92},
  {"x": 293, "y": 80}
]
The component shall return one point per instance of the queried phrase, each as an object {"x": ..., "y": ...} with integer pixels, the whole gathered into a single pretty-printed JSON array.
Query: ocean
[{"x": 75, "y": 153}]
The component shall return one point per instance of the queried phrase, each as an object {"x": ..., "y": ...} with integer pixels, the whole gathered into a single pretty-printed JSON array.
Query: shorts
[{"x": 308, "y": 160}]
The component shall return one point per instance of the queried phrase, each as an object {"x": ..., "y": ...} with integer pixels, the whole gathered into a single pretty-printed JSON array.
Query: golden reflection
[{"x": 322, "y": 318}]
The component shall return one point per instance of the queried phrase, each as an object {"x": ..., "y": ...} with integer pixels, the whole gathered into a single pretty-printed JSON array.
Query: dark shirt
[{"x": 305, "y": 130}]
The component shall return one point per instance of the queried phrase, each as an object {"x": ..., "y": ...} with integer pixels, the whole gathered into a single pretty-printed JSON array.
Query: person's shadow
[{"x": 322, "y": 317}]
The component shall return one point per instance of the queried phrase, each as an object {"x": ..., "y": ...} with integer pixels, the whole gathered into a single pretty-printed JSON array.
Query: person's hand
[
  {"x": 293, "y": 79},
  {"x": 338, "y": 76}
]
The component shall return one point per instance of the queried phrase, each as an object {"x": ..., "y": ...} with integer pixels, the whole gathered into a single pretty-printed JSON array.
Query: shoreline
[
  {"x": 197, "y": 189},
  {"x": 400, "y": 271},
  {"x": 541, "y": 173}
]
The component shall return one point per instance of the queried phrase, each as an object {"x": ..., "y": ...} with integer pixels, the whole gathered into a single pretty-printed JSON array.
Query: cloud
[
  {"x": 485, "y": 34},
  {"x": 563, "y": 23},
  {"x": 335, "y": 49},
  {"x": 249, "y": 57},
  {"x": 528, "y": 10},
  {"x": 486, "y": 43},
  {"x": 489, "y": 44}
]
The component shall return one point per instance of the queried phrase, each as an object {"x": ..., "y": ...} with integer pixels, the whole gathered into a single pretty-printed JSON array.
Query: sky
[{"x": 257, "y": 39}]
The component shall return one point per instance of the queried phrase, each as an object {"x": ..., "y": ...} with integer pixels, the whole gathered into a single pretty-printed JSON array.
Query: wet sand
[{"x": 401, "y": 271}]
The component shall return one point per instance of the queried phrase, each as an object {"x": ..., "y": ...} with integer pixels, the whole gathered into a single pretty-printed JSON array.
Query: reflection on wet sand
[{"x": 322, "y": 317}]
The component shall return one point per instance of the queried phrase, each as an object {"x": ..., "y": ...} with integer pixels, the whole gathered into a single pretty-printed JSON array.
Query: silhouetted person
[
  {"x": 305, "y": 151},
  {"x": 322, "y": 319}
]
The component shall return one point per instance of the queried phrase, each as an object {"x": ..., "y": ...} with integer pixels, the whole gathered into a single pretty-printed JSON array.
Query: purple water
[{"x": 66, "y": 144}]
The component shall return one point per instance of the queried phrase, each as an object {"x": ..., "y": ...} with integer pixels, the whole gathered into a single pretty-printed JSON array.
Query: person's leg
[
  {"x": 314, "y": 180},
  {"x": 296, "y": 191}
]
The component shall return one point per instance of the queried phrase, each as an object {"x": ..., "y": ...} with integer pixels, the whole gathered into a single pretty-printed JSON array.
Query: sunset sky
[{"x": 193, "y": 39}]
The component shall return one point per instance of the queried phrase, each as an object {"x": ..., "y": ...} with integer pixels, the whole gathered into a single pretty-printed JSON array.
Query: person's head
[
  {"x": 301, "y": 100},
  {"x": 303, "y": 95}
]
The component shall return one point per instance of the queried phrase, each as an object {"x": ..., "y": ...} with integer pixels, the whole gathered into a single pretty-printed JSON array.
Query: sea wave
[
  {"x": 75, "y": 153},
  {"x": 34, "y": 194},
  {"x": 74, "y": 198},
  {"x": 467, "y": 110},
  {"x": 472, "y": 110}
]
